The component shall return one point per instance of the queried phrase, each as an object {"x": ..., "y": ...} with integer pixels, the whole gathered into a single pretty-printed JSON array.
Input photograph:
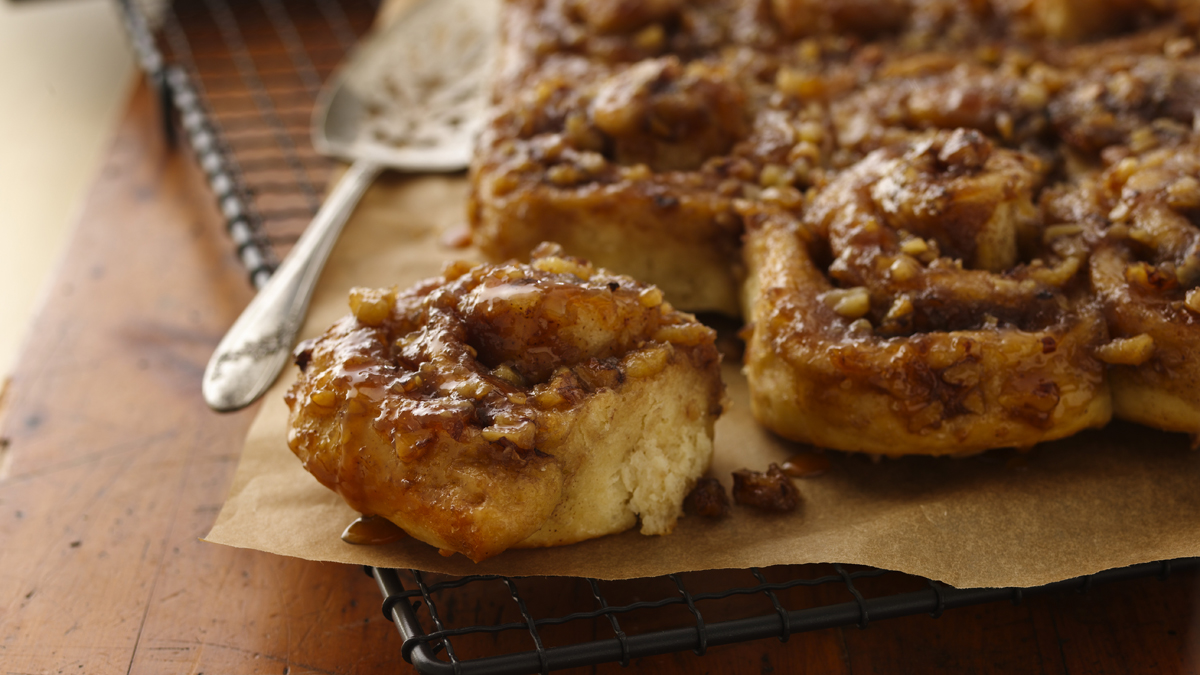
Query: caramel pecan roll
[
  {"x": 917, "y": 308},
  {"x": 1146, "y": 273},
  {"x": 511, "y": 405}
]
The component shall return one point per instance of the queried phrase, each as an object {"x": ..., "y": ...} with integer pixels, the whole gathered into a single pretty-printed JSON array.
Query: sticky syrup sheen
[
  {"x": 372, "y": 531},
  {"x": 806, "y": 465}
]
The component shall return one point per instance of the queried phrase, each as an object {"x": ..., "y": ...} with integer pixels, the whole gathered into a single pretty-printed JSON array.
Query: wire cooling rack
[
  {"x": 241, "y": 77},
  {"x": 237, "y": 81},
  {"x": 680, "y": 612}
]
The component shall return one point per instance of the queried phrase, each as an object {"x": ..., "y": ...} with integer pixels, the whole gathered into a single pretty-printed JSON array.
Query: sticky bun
[
  {"x": 616, "y": 183},
  {"x": 512, "y": 405},
  {"x": 897, "y": 317},
  {"x": 1145, "y": 271}
]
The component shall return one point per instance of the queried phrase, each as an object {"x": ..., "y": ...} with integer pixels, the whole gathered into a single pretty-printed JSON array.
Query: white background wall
[{"x": 65, "y": 74}]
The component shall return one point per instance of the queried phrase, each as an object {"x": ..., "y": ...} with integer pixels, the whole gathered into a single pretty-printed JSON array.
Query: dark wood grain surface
[{"x": 112, "y": 468}]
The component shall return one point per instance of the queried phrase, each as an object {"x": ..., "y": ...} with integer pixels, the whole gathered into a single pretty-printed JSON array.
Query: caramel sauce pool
[{"x": 372, "y": 531}]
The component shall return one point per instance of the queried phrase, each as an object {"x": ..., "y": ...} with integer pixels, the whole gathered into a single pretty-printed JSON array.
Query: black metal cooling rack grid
[
  {"x": 708, "y": 611},
  {"x": 239, "y": 80}
]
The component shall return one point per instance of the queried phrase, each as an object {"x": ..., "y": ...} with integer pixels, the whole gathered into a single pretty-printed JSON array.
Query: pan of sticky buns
[{"x": 947, "y": 226}]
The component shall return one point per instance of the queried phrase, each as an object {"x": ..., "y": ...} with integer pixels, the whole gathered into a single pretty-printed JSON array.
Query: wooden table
[{"x": 112, "y": 468}]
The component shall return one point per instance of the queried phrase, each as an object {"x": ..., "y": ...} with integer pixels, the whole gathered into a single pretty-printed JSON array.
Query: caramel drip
[
  {"x": 805, "y": 465},
  {"x": 372, "y": 531}
]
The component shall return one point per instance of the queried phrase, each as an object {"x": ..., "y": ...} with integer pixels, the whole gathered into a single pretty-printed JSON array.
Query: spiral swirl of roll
[{"x": 920, "y": 306}]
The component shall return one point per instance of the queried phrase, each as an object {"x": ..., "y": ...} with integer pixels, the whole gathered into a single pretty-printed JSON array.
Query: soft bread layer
[
  {"x": 1152, "y": 405},
  {"x": 633, "y": 453}
]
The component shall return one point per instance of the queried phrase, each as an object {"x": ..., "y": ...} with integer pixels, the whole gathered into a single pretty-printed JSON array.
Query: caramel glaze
[
  {"x": 440, "y": 407},
  {"x": 371, "y": 531},
  {"x": 609, "y": 91},
  {"x": 805, "y": 465},
  {"x": 1144, "y": 209}
]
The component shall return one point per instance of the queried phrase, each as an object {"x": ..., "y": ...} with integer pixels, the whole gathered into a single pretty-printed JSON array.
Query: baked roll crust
[
  {"x": 510, "y": 406},
  {"x": 896, "y": 317}
]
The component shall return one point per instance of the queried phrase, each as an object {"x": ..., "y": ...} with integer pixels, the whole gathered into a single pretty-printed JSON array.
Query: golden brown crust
[{"x": 461, "y": 409}]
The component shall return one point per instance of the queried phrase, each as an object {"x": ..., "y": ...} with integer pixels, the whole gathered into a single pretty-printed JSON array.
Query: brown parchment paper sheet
[{"x": 1105, "y": 499}]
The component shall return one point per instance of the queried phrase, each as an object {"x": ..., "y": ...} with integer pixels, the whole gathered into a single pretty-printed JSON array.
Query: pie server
[{"x": 411, "y": 97}]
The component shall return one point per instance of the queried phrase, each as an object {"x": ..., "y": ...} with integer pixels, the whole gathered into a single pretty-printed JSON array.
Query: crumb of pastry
[
  {"x": 708, "y": 499},
  {"x": 771, "y": 490}
]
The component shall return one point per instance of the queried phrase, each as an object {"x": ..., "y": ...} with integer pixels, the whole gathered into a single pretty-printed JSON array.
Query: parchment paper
[{"x": 1100, "y": 500}]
